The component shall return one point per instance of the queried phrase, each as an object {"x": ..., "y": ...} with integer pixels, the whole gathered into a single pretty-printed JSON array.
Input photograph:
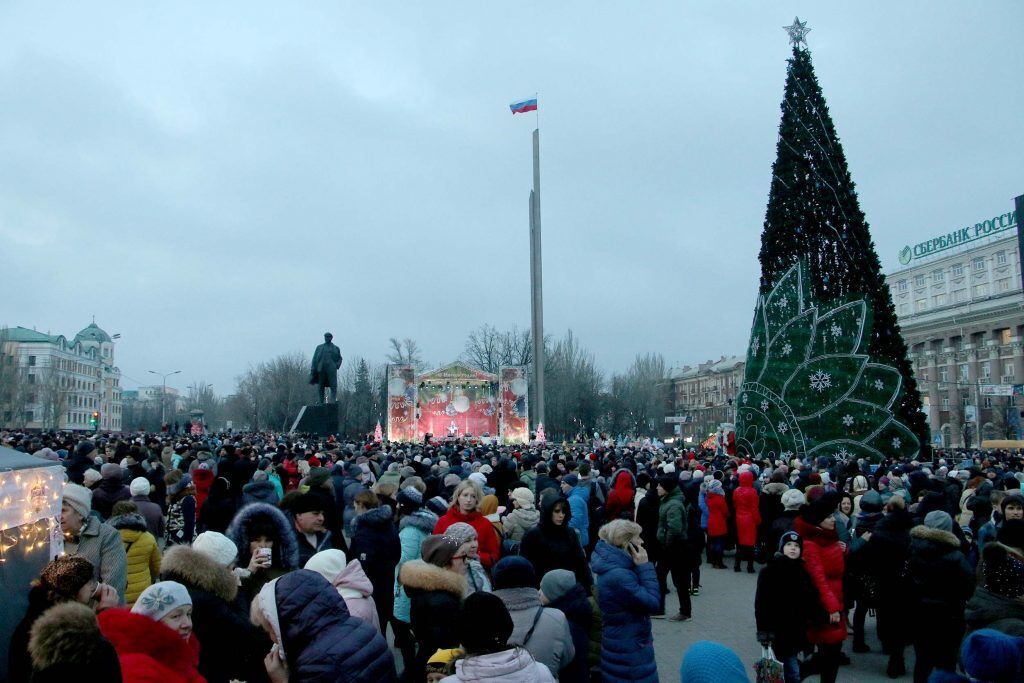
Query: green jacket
[
  {"x": 672, "y": 520},
  {"x": 529, "y": 477}
]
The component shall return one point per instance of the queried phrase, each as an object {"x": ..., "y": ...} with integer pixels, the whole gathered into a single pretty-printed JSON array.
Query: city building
[
  {"x": 50, "y": 382},
  {"x": 960, "y": 304},
  {"x": 701, "y": 398}
]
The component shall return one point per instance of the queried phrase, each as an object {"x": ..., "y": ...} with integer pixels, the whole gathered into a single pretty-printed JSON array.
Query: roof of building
[
  {"x": 93, "y": 333},
  {"x": 724, "y": 364},
  {"x": 23, "y": 334}
]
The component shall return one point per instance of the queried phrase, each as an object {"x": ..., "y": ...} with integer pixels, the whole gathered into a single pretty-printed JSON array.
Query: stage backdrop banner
[
  {"x": 457, "y": 400},
  {"x": 515, "y": 421},
  {"x": 402, "y": 399}
]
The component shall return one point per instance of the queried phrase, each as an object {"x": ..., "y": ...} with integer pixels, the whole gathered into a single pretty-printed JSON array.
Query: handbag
[{"x": 768, "y": 669}]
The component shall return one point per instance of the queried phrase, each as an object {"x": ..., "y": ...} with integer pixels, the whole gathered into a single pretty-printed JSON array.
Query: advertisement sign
[
  {"x": 512, "y": 389},
  {"x": 996, "y": 390},
  {"x": 957, "y": 238},
  {"x": 402, "y": 397},
  {"x": 678, "y": 419}
]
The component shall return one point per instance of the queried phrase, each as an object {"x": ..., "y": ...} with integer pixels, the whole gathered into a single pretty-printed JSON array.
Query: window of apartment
[
  {"x": 31, "y": 379},
  {"x": 921, "y": 305},
  {"x": 1003, "y": 285},
  {"x": 1001, "y": 258},
  {"x": 901, "y": 286},
  {"x": 958, "y": 269},
  {"x": 962, "y": 372},
  {"x": 919, "y": 280},
  {"x": 978, "y": 264},
  {"x": 964, "y": 401},
  {"x": 938, "y": 276},
  {"x": 904, "y": 309},
  {"x": 959, "y": 296},
  {"x": 979, "y": 290},
  {"x": 987, "y": 401},
  {"x": 945, "y": 402},
  {"x": 1008, "y": 369},
  {"x": 943, "y": 374},
  {"x": 986, "y": 369},
  {"x": 31, "y": 361},
  {"x": 1004, "y": 336},
  {"x": 939, "y": 300}
]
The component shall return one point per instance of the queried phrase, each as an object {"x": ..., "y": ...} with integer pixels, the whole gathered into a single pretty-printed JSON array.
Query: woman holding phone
[{"x": 628, "y": 594}]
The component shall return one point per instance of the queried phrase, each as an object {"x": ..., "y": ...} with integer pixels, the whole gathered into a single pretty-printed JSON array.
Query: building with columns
[
  {"x": 702, "y": 397},
  {"x": 960, "y": 305}
]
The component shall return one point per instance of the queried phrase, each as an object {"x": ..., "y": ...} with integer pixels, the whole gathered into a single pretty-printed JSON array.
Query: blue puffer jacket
[
  {"x": 579, "y": 497},
  {"x": 627, "y": 594},
  {"x": 322, "y": 641},
  {"x": 412, "y": 529}
]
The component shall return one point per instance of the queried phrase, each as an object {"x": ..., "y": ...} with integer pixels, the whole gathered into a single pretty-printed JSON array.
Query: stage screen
[
  {"x": 401, "y": 403},
  {"x": 515, "y": 422}
]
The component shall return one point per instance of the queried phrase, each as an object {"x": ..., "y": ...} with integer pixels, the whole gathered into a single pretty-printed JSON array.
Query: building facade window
[
  {"x": 938, "y": 276},
  {"x": 987, "y": 401},
  {"x": 919, "y": 280},
  {"x": 986, "y": 369},
  {"x": 1008, "y": 369},
  {"x": 962, "y": 372},
  {"x": 901, "y": 286},
  {"x": 921, "y": 305},
  {"x": 939, "y": 300},
  {"x": 904, "y": 309},
  {"x": 943, "y": 374},
  {"x": 958, "y": 269},
  {"x": 1003, "y": 285},
  {"x": 1001, "y": 258},
  {"x": 31, "y": 361},
  {"x": 979, "y": 290},
  {"x": 959, "y": 296},
  {"x": 1004, "y": 336},
  {"x": 945, "y": 402},
  {"x": 978, "y": 264}
]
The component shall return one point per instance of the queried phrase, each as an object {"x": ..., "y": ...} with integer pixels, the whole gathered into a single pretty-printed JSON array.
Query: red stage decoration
[
  {"x": 515, "y": 422},
  {"x": 402, "y": 399},
  {"x": 457, "y": 400}
]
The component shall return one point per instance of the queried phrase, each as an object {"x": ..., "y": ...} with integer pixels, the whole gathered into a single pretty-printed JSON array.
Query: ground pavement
[{"x": 724, "y": 613}]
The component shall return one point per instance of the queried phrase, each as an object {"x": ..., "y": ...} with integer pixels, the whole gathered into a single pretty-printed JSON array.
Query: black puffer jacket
[
  {"x": 548, "y": 546},
  {"x": 435, "y": 595},
  {"x": 785, "y": 604},
  {"x": 376, "y": 545},
  {"x": 940, "y": 580}
]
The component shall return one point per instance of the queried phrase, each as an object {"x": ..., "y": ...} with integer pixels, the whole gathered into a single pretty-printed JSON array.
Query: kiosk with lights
[{"x": 30, "y": 498}]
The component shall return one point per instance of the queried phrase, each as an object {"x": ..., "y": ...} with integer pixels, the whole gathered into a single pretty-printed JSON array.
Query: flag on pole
[{"x": 524, "y": 106}]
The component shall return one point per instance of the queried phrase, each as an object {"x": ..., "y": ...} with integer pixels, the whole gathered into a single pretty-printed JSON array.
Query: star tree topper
[{"x": 797, "y": 32}]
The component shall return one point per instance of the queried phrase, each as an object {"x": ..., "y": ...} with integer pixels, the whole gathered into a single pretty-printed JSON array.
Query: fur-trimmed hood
[
  {"x": 65, "y": 634},
  {"x": 133, "y": 521},
  {"x": 937, "y": 536},
  {"x": 379, "y": 517},
  {"x": 518, "y": 598},
  {"x": 420, "y": 575},
  {"x": 195, "y": 570},
  {"x": 774, "y": 488},
  {"x": 424, "y": 520},
  {"x": 286, "y": 547},
  {"x": 628, "y": 479}
]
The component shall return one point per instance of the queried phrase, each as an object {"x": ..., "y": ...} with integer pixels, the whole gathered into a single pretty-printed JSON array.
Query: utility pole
[
  {"x": 163, "y": 395},
  {"x": 537, "y": 285}
]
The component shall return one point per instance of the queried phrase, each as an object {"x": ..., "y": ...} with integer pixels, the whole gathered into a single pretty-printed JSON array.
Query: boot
[
  {"x": 896, "y": 667},
  {"x": 860, "y": 647},
  {"x": 750, "y": 567}
]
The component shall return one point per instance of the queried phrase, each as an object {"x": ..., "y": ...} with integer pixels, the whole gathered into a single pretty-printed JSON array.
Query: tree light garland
[{"x": 30, "y": 501}]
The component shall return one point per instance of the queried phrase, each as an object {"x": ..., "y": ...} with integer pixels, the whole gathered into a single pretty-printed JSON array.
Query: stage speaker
[{"x": 321, "y": 420}]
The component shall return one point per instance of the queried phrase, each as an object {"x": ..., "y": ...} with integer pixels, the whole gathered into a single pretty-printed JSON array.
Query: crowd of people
[{"x": 264, "y": 557}]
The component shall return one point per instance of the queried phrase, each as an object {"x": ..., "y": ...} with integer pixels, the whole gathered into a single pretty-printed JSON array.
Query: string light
[{"x": 30, "y": 510}]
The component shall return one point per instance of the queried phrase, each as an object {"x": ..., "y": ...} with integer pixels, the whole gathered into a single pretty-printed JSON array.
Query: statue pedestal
[{"x": 321, "y": 420}]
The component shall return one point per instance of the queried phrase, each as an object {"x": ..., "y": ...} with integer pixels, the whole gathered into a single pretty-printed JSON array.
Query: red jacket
[
  {"x": 748, "y": 516},
  {"x": 202, "y": 479},
  {"x": 825, "y": 562},
  {"x": 718, "y": 512},
  {"x": 620, "y": 497},
  {"x": 490, "y": 549},
  {"x": 150, "y": 652}
]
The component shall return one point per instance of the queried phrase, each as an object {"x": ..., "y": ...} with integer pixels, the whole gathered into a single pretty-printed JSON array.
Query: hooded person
[
  {"x": 706, "y": 661},
  {"x": 350, "y": 581},
  {"x": 544, "y": 632},
  {"x": 552, "y": 544},
  {"x": 718, "y": 515},
  {"x": 265, "y": 546},
  {"x": 560, "y": 590},
  {"x": 315, "y": 637},
  {"x": 415, "y": 523},
  {"x": 66, "y": 641},
  {"x": 748, "y": 519},
  {"x": 376, "y": 544},
  {"x": 620, "y": 496},
  {"x": 485, "y": 629},
  {"x": 524, "y": 515},
  {"x": 142, "y": 561},
  {"x": 260, "y": 490}
]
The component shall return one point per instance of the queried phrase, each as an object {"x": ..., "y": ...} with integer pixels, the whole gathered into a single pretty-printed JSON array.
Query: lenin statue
[{"x": 324, "y": 372}]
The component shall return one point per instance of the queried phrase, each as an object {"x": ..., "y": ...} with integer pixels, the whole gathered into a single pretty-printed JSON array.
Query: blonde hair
[
  {"x": 385, "y": 489},
  {"x": 619, "y": 532},
  {"x": 468, "y": 484}
]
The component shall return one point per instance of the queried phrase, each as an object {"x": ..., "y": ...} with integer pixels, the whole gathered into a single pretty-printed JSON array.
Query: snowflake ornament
[
  {"x": 847, "y": 420},
  {"x": 782, "y": 302},
  {"x": 764, "y": 406},
  {"x": 744, "y": 399},
  {"x": 879, "y": 384},
  {"x": 896, "y": 443},
  {"x": 756, "y": 346},
  {"x": 787, "y": 348},
  {"x": 782, "y": 427},
  {"x": 835, "y": 330},
  {"x": 820, "y": 381},
  {"x": 843, "y": 454}
]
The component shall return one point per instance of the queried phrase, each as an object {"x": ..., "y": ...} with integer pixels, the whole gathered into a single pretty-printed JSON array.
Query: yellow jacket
[{"x": 142, "y": 551}]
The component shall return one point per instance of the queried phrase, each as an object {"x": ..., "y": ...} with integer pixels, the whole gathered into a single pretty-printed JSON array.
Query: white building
[
  {"x": 54, "y": 383},
  {"x": 960, "y": 306}
]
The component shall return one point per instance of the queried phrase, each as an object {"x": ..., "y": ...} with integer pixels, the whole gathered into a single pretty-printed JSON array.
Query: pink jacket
[{"x": 355, "y": 588}]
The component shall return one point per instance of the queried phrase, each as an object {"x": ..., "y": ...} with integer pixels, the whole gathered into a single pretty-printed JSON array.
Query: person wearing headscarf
[
  {"x": 350, "y": 581},
  {"x": 86, "y": 536},
  {"x": 524, "y": 515}
]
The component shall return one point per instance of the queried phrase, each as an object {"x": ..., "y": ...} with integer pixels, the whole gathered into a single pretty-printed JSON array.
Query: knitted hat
[
  {"x": 327, "y": 563},
  {"x": 937, "y": 519},
  {"x": 792, "y": 499},
  {"x": 216, "y": 546},
  {"x": 67, "y": 575},
  {"x": 485, "y": 624},
  {"x": 139, "y": 486},
  {"x": 706, "y": 661},
  {"x": 821, "y": 507},
  {"x": 669, "y": 482},
  {"x": 160, "y": 599},
  {"x": 91, "y": 477},
  {"x": 523, "y": 496},
  {"x": 443, "y": 662},
  {"x": 461, "y": 532},
  {"x": 437, "y": 505},
  {"x": 439, "y": 549},
  {"x": 84, "y": 449},
  {"x": 79, "y": 498},
  {"x": 306, "y": 502},
  {"x": 871, "y": 502},
  {"x": 991, "y": 655},
  {"x": 790, "y": 537},
  {"x": 571, "y": 479},
  {"x": 451, "y": 480},
  {"x": 109, "y": 470},
  {"x": 513, "y": 572},
  {"x": 317, "y": 477},
  {"x": 557, "y": 583},
  {"x": 409, "y": 498},
  {"x": 354, "y": 470},
  {"x": 478, "y": 478},
  {"x": 715, "y": 486}
]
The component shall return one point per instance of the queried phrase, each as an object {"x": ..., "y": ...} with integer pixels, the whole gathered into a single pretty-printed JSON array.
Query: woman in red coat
[
  {"x": 718, "y": 513},
  {"x": 620, "y": 498},
  {"x": 748, "y": 518},
  {"x": 465, "y": 507},
  {"x": 824, "y": 559}
]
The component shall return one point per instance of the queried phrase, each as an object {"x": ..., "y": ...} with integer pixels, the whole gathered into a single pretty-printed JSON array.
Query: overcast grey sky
[{"x": 223, "y": 182}]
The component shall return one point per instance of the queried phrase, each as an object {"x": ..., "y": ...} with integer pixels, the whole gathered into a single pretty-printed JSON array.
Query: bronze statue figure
[{"x": 324, "y": 371}]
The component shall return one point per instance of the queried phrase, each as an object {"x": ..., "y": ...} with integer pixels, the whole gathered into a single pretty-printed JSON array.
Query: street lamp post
[{"x": 163, "y": 395}]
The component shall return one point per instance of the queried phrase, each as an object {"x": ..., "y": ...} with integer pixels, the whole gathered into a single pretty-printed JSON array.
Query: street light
[{"x": 163, "y": 395}]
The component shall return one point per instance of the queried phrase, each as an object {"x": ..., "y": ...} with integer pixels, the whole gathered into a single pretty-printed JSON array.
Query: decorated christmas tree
[{"x": 827, "y": 370}]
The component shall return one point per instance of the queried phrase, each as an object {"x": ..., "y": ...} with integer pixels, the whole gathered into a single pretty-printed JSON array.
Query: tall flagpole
[{"x": 537, "y": 284}]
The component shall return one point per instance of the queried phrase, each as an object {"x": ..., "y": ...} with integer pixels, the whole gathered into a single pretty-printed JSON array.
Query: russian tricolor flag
[{"x": 524, "y": 106}]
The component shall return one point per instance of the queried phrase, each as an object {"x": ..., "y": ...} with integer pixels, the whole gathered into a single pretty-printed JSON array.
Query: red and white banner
[
  {"x": 512, "y": 389},
  {"x": 402, "y": 397}
]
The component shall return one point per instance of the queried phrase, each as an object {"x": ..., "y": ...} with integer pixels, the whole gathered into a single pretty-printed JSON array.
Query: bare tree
[
  {"x": 51, "y": 395},
  {"x": 270, "y": 394},
  {"x": 15, "y": 389},
  {"x": 572, "y": 389},
  {"x": 488, "y": 348},
  {"x": 641, "y": 394},
  {"x": 404, "y": 352}
]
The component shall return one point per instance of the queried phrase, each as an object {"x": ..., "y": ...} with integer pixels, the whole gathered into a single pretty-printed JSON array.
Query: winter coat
[
  {"x": 284, "y": 555},
  {"x": 519, "y": 521},
  {"x": 412, "y": 529},
  {"x": 508, "y": 666},
  {"x": 101, "y": 544},
  {"x": 578, "y": 611},
  {"x": 620, "y": 497},
  {"x": 219, "y": 508},
  {"x": 348, "y": 487},
  {"x": 702, "y": 504},
  {"x": 325, "y": 540},
  {"x": 67, "y": 642},
  {"x": 672, "y": 524},
  {"x": 355, "y": 589},
  {"x": 545, "y": 482},
  {"x": 884, "y": 555},
  {"x": 152, "y": 513},
  {"x": 322, "y": 641},
  {"x": 551, "y": 641},
  {"x": 647, "y": 516},
  {"x": 108, "y": 492},
  {"x": 260, "y": 492},
  {"x": 986, "y": 609},
  {"x": 181, "y": 522},
  {"x": 232, "y": 647},
  {"x": 150, "y": 652},
  {"x": 435, "y": 595},
  {"x": 939, "y": 579},
  {"x": 748, "y": 514},
  {"x": 628, "y": 594},
  {"x": 579, "y": 500},
  {"x": 824, "y": 561},
  {"x": 529, "y": 478},
  {"x": 376, "y": 545},
  {"x": 142, "y": 554},
  {"x": 780, "y": 525},
  {"x": 203, "y": 481},
  {"x": 487, "y": 537},
  {"x": 718, "y": 513},
  {"x": 770, "y": 506},
  {"x": 548, "y": 546},
  {"x": 785, "y": 604}
]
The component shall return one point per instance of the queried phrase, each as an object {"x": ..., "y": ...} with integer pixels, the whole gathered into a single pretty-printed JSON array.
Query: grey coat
[
  {"x": 152, "y": 513},
  {"x": 551, "y": 642},
  {"x": 518, "y": 522},
  {"x": 101, "y": 544}
]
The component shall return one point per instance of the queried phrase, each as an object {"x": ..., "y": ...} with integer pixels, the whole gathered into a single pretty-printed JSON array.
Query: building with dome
[{"x": 52, "y": 382}]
